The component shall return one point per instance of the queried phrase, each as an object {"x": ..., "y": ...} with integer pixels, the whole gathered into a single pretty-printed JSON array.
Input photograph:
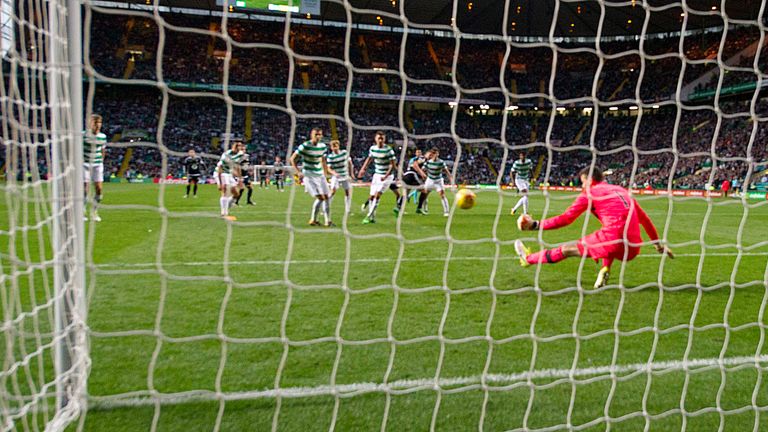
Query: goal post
[{"x": 68, "y": 235}]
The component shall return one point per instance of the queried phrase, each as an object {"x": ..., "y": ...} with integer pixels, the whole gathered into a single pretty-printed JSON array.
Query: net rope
[{"x": 27, "y": 398}]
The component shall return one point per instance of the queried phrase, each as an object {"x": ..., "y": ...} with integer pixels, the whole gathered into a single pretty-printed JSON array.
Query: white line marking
[
  {"x": 375, "y": 260},
  {"x": 109, "y": 402}
]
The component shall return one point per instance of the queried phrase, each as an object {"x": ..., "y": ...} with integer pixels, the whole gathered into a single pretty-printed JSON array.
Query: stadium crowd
[{"x": 692, "y": 147}]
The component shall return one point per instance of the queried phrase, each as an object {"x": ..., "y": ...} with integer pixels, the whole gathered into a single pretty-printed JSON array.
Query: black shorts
[
  {"x": 194, "y": 177},
  {"x": 412, "y": 180},
  {"x": 278, "y": 176},
  {"x": 246, "y": 180}
]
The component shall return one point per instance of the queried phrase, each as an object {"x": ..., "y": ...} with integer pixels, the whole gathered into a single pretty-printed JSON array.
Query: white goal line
[
  {"x": 378, "y": 260},
  {"x": 143, "y": 398}
]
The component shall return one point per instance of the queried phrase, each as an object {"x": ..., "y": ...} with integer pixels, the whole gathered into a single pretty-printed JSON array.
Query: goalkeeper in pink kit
[{"x": 619, "y": 238}]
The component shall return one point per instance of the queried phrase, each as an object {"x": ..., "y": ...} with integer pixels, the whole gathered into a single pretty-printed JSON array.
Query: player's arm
[
  {"x": 448, "y": 174},
  {"x": 573, "y": 212},
  {"x": 327, "y": 170},
  {"x": 294, "y": 165},
  {"x": 391, "y": 168},
  {"x": 417, "y": 167},
  {"x": 650, "y": 230},
  {"x": 365, "y": 165},
  {"x": 351, "y": 168}
]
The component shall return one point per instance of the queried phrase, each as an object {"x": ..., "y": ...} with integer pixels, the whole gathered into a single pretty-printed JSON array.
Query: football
[{"x": 465, "y": 199}]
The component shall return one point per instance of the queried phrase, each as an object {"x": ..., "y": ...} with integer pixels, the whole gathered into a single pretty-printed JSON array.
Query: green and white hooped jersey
[
  {"x": 435, "y": 169},
  {"x": 228, "y": 161},
  {"x": 312, "y": 157},
  {"x": 93, "y": 147},
  {"x": 339, "y": 162},
  {"x": 382, "y": 158},
  {"x": 523, "y": 169}
]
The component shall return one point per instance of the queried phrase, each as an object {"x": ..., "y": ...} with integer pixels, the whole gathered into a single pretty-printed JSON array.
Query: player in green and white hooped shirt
[
  {"x": 313, "y": 171},
  {"x": 340, "y": 162},
  {"x": 521, "y": 177},
  {"x": 94, "y": 144},
  {"x": 228, "y": 175},
  {"x": 435, "y": 167},
  {"x": 383, "y": 158}
]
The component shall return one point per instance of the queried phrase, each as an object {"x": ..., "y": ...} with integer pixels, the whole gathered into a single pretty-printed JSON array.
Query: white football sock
[
  {"x": 347, "y": 203},
  {"x": 223, "y": 205},
  {"x": 315, "y": 208},
  {"x": 525, "y": 204},
  {"x": 326, "y": 211},
  {"x": 446, "y": 206},
  {"x": 373, "y": 205}
]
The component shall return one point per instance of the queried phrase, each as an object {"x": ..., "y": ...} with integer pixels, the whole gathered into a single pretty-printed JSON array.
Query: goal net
[{"x": 139, "y": 306}]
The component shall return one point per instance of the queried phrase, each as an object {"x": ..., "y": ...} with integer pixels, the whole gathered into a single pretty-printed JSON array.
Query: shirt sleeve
[
  {"x": 646, "y": 222},
  {"x": 573, "y": 212}
]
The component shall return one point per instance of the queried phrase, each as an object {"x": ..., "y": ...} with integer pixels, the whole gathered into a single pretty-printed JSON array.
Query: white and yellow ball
[{"x": 465, "y": 199}]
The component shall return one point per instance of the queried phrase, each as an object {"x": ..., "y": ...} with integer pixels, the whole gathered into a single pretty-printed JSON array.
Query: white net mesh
[
  {"x": 415, "y": 322},
  {"x": 45, "y": 357}
]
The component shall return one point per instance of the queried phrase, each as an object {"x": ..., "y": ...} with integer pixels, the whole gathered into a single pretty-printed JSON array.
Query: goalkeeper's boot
[
  {"x": 522, "y": 252},
  {"x": 420, "y": 211},
  {"x": 602, "y": 277},
  {"x": 367, "y": 221}
]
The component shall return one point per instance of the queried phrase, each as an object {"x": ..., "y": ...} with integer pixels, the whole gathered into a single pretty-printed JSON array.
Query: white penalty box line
[
  {"x": 379, "y": 260},
  {"x": 456, "y": 384}
]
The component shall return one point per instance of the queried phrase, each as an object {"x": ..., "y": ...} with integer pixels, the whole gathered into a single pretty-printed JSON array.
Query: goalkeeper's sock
[
  {"x": 250, "y": 194},
  {"x": 194, "y": 189},
  {"x": 187, "y": 189},
  {"x": 524, "y": 199},
  {"x": 546, "y": 256},
  {"x": 237, "y": 200},
  {"x": 315, "y": 208}
]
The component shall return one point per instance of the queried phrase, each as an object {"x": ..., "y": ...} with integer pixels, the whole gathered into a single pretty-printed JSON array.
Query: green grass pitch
[{"x": 182, "y": 301}]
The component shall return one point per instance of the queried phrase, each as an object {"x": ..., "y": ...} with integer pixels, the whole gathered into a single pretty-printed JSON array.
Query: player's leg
[
  {"x": 86, "y": 187},
  {"x": 189, "y": 186},
  {"x": 372, "y": 208},
  {"x": 398, "y": 197},
  {"x": 373, "y": 199},
  {"x": 444, "y": 201},
  {"x": 522, "y": 202},
  {"x": 347, "y": 186},
  {"x": 98, "y": 181},
  {"x": 223, "y": 202},
  {"x": 420, "y": 208},
  {"x": 249, "y": 200},
  {"x": 546, "y": 256}
]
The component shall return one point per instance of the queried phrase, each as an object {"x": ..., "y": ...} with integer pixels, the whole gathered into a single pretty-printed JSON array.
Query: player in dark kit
[
  {"x": 278, "y": 171},
  {"x": 193, "y": 169},
  {"x": 263, "y": 175},
  {"x": 246, "y": 169}
]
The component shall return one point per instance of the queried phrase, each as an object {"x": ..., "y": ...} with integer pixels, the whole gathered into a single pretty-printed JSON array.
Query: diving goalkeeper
[{"x": 619, "y": 237}]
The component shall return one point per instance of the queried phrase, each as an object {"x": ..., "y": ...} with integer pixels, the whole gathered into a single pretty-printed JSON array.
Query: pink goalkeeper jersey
[{"x": 614, "y": 207}]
